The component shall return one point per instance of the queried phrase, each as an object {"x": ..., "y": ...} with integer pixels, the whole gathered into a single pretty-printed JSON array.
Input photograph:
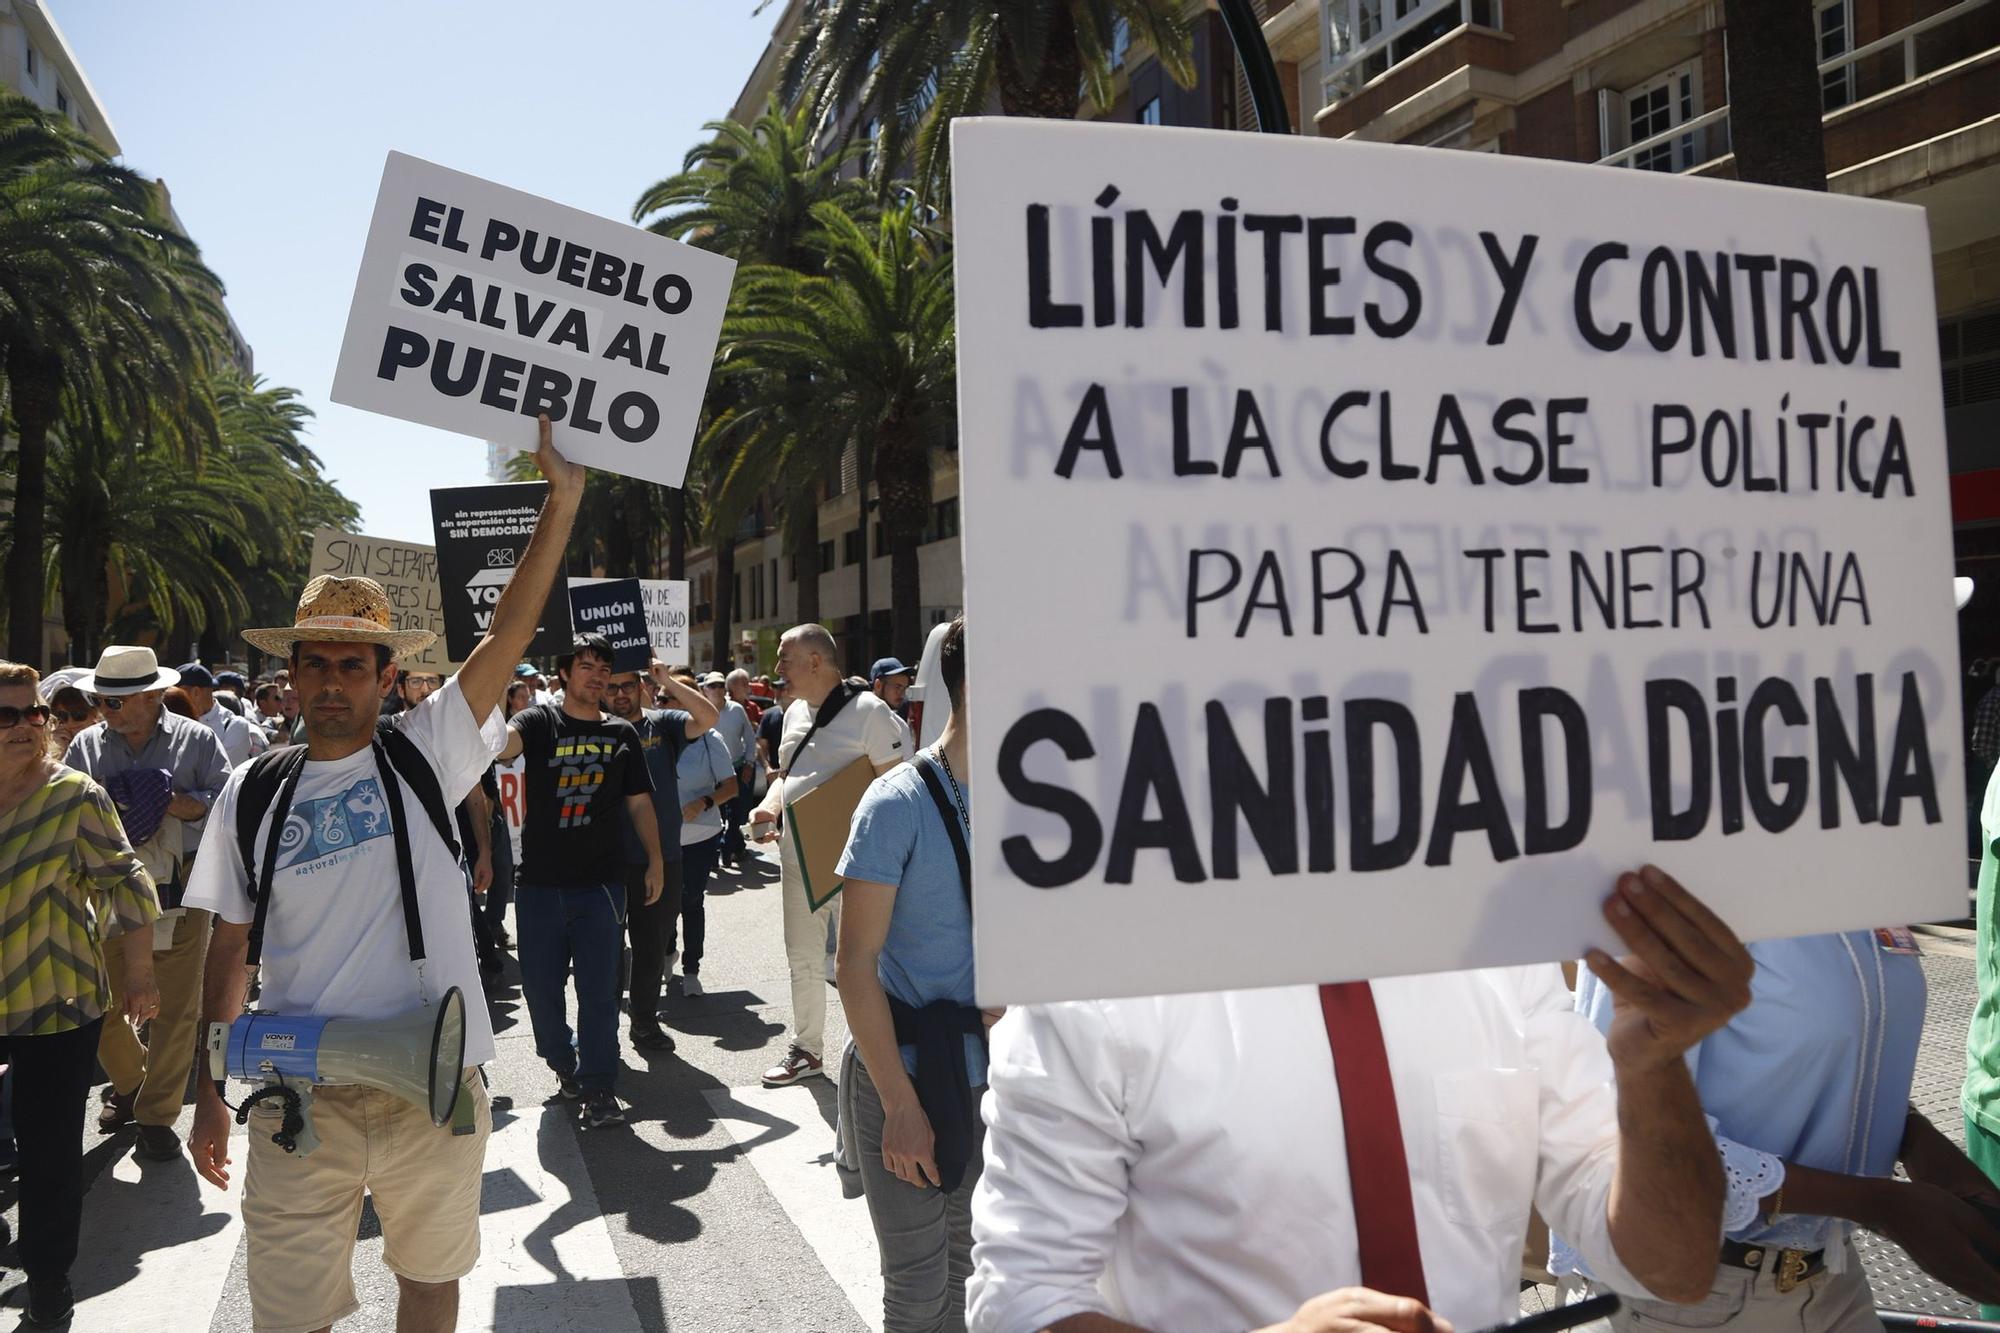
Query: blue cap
[
  {"x": 888, "y": 666},
  {"x": 232, "y": 680},
  {"x": 195, "y": 674},
  {"x": 525, "y": 670}
]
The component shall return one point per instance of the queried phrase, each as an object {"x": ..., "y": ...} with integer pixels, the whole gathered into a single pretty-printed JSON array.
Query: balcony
[
  {"x": 1936, "y": 76},
  {"x": 1365, "y": 39}
]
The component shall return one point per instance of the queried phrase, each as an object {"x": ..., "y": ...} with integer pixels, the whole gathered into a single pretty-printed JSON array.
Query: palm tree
[
  {"x": 914, "y": 65},
  {"x": 101, "y": 298},
  {"x": 142, "y": 541},
  {"x": 749, "y": 192},
  {"x": 868, "y": 347}
]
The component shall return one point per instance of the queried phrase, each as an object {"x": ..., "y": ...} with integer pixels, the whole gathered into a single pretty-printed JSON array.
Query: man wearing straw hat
[{"x": 338, "y": 941}]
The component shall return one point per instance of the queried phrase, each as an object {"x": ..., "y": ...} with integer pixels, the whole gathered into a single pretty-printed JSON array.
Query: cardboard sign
[
  {"x": 816, "y": 828},
  {"x": 666, "y": 604},
  {"x": 612, "y": 608},
  {"x": 479, "y": 307},
  {"x": 406, "y": 571},
  {"x": 482, "y": 532},
  {"x": 1430, "y": 537}
]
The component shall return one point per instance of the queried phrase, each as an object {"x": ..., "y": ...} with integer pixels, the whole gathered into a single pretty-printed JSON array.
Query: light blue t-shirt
[
  {"x": 703, "y": 767},
  {"x": 897, "y": 838}
]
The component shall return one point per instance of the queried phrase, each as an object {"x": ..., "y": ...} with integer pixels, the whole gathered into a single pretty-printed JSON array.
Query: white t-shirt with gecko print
[{"x": 334, "y": 942}]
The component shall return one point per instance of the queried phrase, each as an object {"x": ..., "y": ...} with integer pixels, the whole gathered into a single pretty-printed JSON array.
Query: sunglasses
[
  {"x": 110, "y": 703},
  {"x": 35, "y": 715},
  {"x": 64, "y": 715}
]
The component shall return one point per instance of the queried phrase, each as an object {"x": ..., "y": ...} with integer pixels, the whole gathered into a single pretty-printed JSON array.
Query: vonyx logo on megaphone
[
  {"x": 485, "y": 587},
  {"x": 419, "y": 1056}
]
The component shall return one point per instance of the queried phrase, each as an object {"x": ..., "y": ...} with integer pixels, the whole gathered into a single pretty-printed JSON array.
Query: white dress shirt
[
  {"x": 1178, "y": 1162},
  {"x": 240, "y": 741}
]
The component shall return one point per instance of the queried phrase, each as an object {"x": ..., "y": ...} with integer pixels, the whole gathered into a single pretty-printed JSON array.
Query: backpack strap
[
  {"x": 273, "y": 775},
  {"x": 829, "y": 709},
  {"x": 410, "y": 764},
  {"x": 406, "y": 865},
  {"x": 948, "y": 812}
]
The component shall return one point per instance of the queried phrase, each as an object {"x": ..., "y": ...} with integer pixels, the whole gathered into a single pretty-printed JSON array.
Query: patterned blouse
[{"x": 64, "y": 867}]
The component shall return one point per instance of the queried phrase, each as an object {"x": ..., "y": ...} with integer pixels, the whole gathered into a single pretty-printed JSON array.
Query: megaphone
[{"x": 419, "y": 1056}]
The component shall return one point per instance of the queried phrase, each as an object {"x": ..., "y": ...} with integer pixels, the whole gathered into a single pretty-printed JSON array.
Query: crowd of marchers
[{"x": 1702, "y": 1124}]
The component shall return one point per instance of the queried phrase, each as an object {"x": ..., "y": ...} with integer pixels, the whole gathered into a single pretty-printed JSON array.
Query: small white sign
[
  {"x": 1371, "y": 551},
  {"x": 479, "y": 307},
  {"x": 666, "y": 605}
]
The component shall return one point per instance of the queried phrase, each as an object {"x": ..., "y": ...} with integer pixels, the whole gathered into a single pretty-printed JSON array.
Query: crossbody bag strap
[
  {"x": 828, "y": 709},
  {"x": 280, "y": 814},
  {"x": 406, "y": 868},
  {"x": 948, "y": 812}
]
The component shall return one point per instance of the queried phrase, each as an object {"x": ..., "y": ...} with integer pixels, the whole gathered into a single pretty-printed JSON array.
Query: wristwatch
[{"x": 708, "y": 801}]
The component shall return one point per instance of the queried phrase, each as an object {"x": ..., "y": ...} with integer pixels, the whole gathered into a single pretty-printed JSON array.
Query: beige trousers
[
  {"x": 805, "y": 958},
  {"x": 158, "y": 1070},
  {"x": 1747, "y": 1302}
]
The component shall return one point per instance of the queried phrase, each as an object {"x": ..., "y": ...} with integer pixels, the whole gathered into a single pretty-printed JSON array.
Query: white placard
[
  {"x": 666, "y": 604},
  {"x": 1344, "y": 602},
  {"x": 479, "y": 307}
]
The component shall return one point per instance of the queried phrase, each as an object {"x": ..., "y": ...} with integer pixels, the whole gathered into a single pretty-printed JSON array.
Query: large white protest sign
[
  {"x": 479, "y": 307},
  {"x": 666, "y": 606},
  {"x": 1371, "y": 551},
  {"x": 407, "y": 572}
]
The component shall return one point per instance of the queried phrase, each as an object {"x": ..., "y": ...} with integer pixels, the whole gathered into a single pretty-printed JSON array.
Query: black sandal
[{"x": 652, "y": 1039}]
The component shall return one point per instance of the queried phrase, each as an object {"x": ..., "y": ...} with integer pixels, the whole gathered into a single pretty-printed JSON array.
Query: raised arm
[
  {"x": 486, "y": 674},
  {"x": 702, "y": 714}
]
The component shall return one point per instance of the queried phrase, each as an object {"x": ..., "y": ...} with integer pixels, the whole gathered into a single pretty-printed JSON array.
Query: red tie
[{"x": 1385, "y": 1219}]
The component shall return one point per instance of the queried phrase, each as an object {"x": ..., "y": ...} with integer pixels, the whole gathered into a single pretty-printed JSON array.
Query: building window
[
  {"x": 944, "y": 520},
  {"x": 1149, "y": 114},
  {"x": 756, "y": 593},
  {"x": 62, "y": 100},
  {"x": 1969, "y": 347},
  {"x": 1656, "y": 106},
  {"x": 826, "y": 564},
  {"x": 1366, "y": 37},
  {"x": 1121, "y": 41},
  {"x": 870, "y": 135},
  {"x": 850, "y": 547},
  {"x": 1835, "y": 21},
  {"x": 34, "y": 64}
]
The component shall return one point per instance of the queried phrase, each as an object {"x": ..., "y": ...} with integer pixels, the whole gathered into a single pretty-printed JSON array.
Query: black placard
[
  {"x": 482, "y": 532},
  {"x": 616, "y": 611}
]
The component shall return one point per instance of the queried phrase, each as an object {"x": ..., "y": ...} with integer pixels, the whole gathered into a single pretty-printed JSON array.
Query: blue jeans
[
  {"x": 555, "y": 926},
  {"x": 697, "y": 864}
]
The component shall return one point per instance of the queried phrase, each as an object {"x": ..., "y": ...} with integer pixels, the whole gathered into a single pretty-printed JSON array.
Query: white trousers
[{"x": 805, "y": 957}]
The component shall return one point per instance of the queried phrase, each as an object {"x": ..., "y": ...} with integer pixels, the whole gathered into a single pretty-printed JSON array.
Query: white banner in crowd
[
  {"x": 406, "y": 571},
  {"x": 479, "y": 307},
  {"x": 1428, "y": 537},
  {"x": 666, "y": 606}
]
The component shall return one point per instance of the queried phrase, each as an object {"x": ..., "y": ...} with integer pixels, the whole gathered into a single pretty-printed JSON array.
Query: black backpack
[{"x": 276, "y": 772}]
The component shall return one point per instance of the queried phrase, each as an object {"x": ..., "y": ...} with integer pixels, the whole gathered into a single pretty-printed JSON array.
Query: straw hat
[
  {"x": 124, "y": 669},
  {"x": 337, "y": 610}
]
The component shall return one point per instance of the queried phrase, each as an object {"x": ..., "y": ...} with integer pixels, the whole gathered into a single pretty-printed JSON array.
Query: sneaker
[
  {"x": 157, "y": 1143},
  {"x": 115, "y": 1113},
  {"x": 566, "y": 1085},
  {"x": 652, "y": 1039},
  {"x": 797, "y": 1066},
  {"x": 691, "y": 983},
  {"x": 49, "y": 1302},
  {"x": 602, "y": 1110}
]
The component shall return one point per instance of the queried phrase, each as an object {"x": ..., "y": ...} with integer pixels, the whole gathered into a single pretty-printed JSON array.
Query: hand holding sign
[
  {"x": 566, "y": 479},
  {"x": 1686, "y": 977}
]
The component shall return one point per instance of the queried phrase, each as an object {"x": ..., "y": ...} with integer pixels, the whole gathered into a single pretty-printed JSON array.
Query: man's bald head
[{"x": 808, "y": 657}]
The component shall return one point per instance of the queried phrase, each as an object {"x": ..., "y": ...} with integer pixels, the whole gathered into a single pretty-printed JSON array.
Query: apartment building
[{"x": 1910, "y": 94}]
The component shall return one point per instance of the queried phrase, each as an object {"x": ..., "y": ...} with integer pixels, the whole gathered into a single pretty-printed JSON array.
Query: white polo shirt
[{"x": 864, "y": 726}]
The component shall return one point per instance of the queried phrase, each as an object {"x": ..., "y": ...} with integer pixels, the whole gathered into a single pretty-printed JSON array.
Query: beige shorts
[{"x": 301, "y": 1214}]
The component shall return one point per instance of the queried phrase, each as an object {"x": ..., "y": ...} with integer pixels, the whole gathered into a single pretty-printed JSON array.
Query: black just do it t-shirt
[{"x": 576, "y": 777}]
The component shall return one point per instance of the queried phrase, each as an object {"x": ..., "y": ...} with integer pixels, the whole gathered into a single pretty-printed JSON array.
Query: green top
[
  {"x": 1982, "y": 1040},
  {"x": 64, "y": 867}
]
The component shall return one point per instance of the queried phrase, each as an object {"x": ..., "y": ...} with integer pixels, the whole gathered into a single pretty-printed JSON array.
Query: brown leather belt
[{"x": 1789, "y": 1267}]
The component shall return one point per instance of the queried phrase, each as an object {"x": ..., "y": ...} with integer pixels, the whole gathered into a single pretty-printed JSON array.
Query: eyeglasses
[
  {"x": 35, "y": 715},
  {"x": 110, "y": 703}
]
